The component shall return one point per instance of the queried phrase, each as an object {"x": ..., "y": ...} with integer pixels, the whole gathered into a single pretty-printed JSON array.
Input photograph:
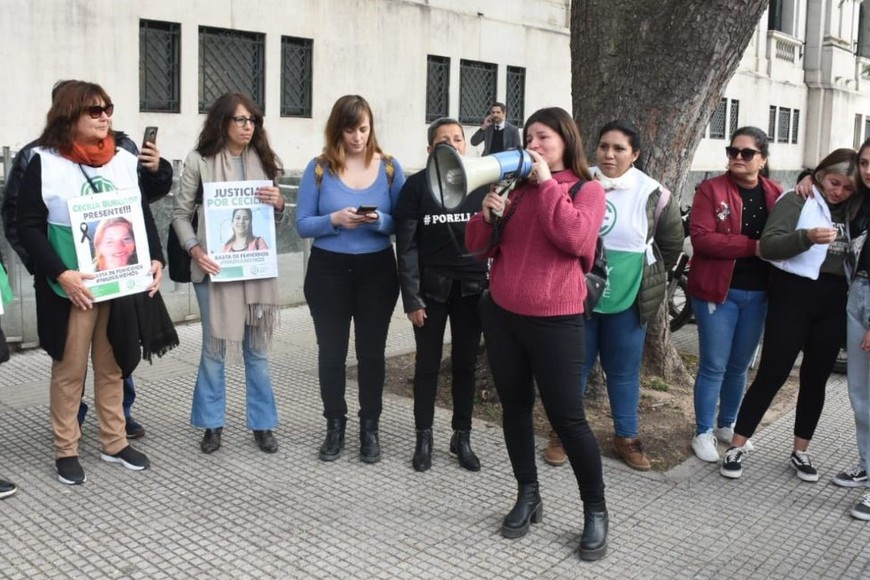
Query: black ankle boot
[
  {"x": 211, "y": 440},
  {"x": 422, "y": 460},
  {"x": 460, "y": 446},
  {"x": 528, "y": 510},
  {"x": 369, "y": 446},
  {"x": 593, "y": 543},
  {"x": 334, "y": 442}
]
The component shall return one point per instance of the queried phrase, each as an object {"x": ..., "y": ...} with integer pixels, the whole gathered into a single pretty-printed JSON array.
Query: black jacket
[{"x": 154, "y": 186}]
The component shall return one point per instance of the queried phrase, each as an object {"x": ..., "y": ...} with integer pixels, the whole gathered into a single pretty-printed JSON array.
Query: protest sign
[
  {"x": 240, "y": 230},
  {"x": 111, "y": 243}
]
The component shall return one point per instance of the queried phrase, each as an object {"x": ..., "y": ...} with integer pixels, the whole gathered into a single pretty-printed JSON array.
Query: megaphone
[{"x": 451, "y": 178}]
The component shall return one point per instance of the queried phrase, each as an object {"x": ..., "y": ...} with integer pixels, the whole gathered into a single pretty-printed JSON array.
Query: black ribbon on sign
[{"x": 85, "y": 235}]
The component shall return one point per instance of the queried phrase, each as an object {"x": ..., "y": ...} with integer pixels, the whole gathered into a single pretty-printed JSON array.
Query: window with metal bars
[
  {"x": 717, "y": 123},
  {"x": 733, "y": 117},
  {"x": 771, "y": 124},
  {"x": 866, "y": 127},
  {"x": 515, "y": 100},
  {"x": 159, "y": 66},
  {"x": 296, "y": 73},
  {"x": 437, "y": 87},
  {"x": 783, "y": 130},
  {"x": 477, "y": 87},
  {"x": 795, "y": 122},
  {"x": 231, "y": 61}
]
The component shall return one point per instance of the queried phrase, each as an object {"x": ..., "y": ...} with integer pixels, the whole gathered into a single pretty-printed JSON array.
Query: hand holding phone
[
  {"x": 150, "y": 136},
  {"x": 366, "y": 209}
]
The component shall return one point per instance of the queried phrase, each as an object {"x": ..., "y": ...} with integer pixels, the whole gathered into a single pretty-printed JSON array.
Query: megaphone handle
[{"x": 503, "y": 195}]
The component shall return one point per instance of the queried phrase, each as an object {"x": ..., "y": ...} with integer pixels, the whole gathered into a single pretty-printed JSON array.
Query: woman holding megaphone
[{"x": 533, "y": 314}]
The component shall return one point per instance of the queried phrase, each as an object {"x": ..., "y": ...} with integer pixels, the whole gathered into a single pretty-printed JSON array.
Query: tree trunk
[{"x": 664, "y": 65}]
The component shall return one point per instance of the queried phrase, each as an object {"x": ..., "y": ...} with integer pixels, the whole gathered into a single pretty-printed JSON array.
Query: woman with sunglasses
[
  {"x": 346, "y": 201},
  {"x": 535, "y": 331},
  {"x": 807, "y": 242},
  {"x": 77, "y": 155},
  {"x": 728, "y": 283},
  {"x": 237, "y": 317}
]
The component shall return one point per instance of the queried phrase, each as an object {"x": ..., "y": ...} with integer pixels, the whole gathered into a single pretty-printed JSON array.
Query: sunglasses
[
  {"x": 242, "y": 121},
  {"x": 746, "y": 154},
  {"x": 96, "y": 111}
]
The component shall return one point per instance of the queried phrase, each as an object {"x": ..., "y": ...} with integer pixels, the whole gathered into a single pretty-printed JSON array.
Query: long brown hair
[
  {"x": 348, "y": 112},
  {"x": 213, "y": 137},
  {"x": 841, "y": 162},
  {"x": 561, "y": 122},
  {"x": 67, "y": 106}
]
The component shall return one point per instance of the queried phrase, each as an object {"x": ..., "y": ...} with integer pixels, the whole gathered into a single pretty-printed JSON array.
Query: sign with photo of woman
[
  {"x": 241, "y": 230},
  {"x": 109, "y": 235}
]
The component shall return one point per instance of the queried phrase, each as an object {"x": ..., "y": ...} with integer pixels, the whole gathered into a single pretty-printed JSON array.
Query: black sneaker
[
  {"x": 7, "y": 488},
  {"x": 732, "y": 463},
  {"x": 129, "y": 458},
  {"x": 803, "y": 465},
  {"x": 861, "y": 510},
  {"x": 69, "y": 471},
  {"x": 855, "y": 476},
  {"x": 134, "y": 429}
]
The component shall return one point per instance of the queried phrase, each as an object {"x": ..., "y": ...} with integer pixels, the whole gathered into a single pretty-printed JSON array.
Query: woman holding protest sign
[
  {"x": 346, "y": 201},
  {"x": 237, "y": 316},
  {"x": 77, "y": 154}
]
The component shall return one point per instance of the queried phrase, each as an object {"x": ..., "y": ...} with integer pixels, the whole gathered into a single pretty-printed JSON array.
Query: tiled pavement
[{"x": 242, "y": 513}]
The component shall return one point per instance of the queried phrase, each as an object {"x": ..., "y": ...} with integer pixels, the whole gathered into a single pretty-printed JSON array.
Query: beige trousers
[{"x": 87, "y": 333}]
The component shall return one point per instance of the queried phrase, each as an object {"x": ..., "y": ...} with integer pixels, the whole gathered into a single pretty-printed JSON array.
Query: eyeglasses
[
  {"x": 745, "y": 154},
  {"x": 96, "y": 111},
  {"x": 242, "y": 121}
]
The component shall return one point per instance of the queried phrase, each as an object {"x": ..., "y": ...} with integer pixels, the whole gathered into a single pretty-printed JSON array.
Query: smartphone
[
  {"x": 150, "y": 136},
  {"x": 364, "y": 209}
]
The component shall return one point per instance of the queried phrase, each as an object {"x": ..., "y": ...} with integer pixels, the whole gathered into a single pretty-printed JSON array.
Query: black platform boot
[
  {"x": 460, "y": 446},
  {"x": 369, "y": 445},
  {"x": 593, "y": 543},
  {"x": 529, "y": 509},
  {"x": 422, "y": 459},
  {"x": 334, "y": 442}
]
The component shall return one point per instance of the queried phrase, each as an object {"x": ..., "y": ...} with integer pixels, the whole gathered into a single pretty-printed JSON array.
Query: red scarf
[{"x": 92, "y": 155}]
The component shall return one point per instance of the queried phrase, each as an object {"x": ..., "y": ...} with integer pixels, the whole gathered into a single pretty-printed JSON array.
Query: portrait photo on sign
[
  {"x": 241, "y": 229},
  {"x": 113, "y": 243}
]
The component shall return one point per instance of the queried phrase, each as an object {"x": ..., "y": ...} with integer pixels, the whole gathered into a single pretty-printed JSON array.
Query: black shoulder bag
[{"x": 596, "y": 278}]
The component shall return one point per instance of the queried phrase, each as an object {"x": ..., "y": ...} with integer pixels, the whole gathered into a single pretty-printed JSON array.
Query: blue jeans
[
  {"x": 618, "y": 340},
  {"x": 858, "y": 368},
  {"x": 129, "y": 399},
  {"x": 728, "y": 335},
  {"x": 210, "y": 394}
]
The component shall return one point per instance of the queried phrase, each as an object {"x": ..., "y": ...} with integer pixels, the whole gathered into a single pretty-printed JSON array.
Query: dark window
[
  {"x": 159, "y": 66},
  {"x": 866, "y": 127},
  {"x": 774, "y": 15},
  {"x": 477, "y": 85},
  {"x": 230, "y": 61},
  {"x": 296, "y": 76},
  {"x": 437, "y": 87},
  {"x": 783, "y": 131},
  {"x": 515, "y": 100},
  {"x": 717, "y": 123},
  {"x": 734, "y": 122},
  {"x": 795, "y": 122},
  {"x": 771, "y": 124}
]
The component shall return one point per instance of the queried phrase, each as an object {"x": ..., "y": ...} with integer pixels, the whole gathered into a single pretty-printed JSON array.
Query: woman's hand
[
  {"x": 494, "y": 205},
  {"x": 417, "y": 317},
  {"x": 804, "y": 188},
  {"x": 149, "y": 157},
  {"x": 157, "y": 272},
  {"x": 865, "y": 342},
  {"x": 272, "y": 196},
  {"x": 348, "y": 218},
  {"x": 822, "y": 235},
  {"x": 73, "y": 283},
  {"x": 205, "y": 263},
  {"x": 540, "y": 170}
]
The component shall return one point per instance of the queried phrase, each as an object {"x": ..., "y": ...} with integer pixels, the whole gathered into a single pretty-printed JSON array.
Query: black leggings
[
  {"x": 802, "y": 315},
  {"x": 550, "y": 351},
  {"x": 338, "y": 288},
  {"x": 465, "y": 342}
]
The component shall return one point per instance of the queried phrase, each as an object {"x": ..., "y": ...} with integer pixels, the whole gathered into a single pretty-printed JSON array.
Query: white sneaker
[
  {"x": 706, "y": 447},
  {"x": 726, "y": 435}
]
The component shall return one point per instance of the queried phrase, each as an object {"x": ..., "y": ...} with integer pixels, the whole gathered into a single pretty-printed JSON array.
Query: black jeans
[
  {"x": 549, "y": 350},
  {"x": 465, "y": 343},
  {"x": 802, "y": 315},
  {"x": 344, "y": 287}
]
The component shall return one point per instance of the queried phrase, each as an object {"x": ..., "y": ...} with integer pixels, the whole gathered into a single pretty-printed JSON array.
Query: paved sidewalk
[{"x": 243, "y": 513}]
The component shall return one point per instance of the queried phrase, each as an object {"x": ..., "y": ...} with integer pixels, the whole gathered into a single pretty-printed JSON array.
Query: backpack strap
[{"x": 320, "y": 169}]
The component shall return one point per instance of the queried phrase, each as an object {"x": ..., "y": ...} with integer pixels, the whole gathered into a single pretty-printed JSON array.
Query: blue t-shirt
[{"x": 315, "y": 204}]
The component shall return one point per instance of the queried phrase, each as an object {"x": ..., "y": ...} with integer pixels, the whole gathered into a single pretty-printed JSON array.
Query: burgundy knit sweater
[{"x": 536, "y": 269}]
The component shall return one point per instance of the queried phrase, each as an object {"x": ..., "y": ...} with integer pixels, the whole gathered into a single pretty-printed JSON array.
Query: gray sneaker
[
  {"x": 855, "y": 476},
  {"x": 861, "y": 510}
]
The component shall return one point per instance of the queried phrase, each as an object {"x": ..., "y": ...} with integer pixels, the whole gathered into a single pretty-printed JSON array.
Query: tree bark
[{"x": 663, "y": 65}]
